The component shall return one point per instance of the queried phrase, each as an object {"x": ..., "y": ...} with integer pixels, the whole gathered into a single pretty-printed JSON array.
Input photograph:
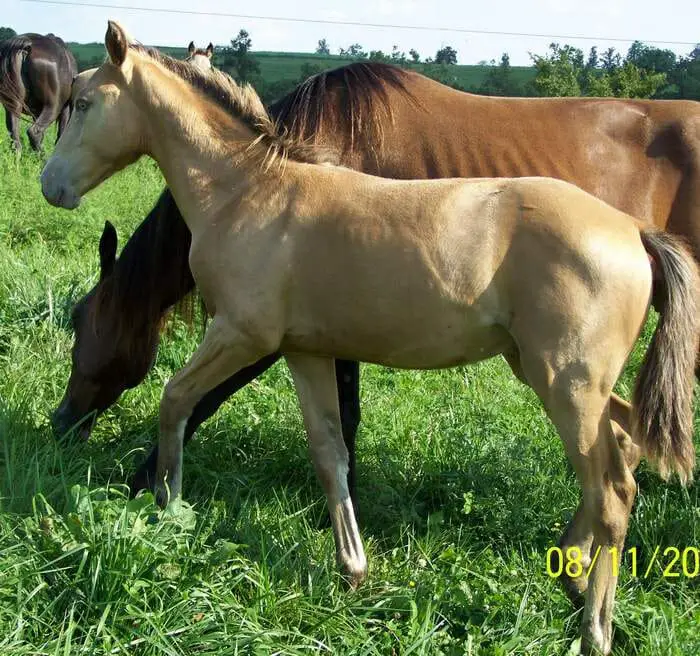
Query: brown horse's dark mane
[
  {"x": 243, "y": 102},
  {"x": 156, "y": 254},
  {"x": 363, "y": 89}
]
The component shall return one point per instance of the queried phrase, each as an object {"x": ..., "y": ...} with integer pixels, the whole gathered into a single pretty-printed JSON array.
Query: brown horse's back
[
  {"x": 640, "y": 156},
  {"x": 630, "y": 153}
]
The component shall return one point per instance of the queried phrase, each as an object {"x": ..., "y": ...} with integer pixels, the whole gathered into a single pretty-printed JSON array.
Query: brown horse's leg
[
  {"x": 38, "y": 128},
  {"x": 347, "y": 374},
  {"x": 223, "y": 352},
  {"x": 313, "y": 380},
  {"x": 12, "y": 123},
  {"x": 62, "y": 122}
]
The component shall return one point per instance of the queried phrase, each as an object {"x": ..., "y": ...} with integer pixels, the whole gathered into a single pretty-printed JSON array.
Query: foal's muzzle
[{"x": 55, "y": 188}]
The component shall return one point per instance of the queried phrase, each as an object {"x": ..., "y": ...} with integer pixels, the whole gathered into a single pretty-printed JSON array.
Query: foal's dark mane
[{"x": 155, "y": 257}]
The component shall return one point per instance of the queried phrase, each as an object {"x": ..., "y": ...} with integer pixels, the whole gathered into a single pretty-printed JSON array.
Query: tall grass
[{"x": 463, "y": 487}]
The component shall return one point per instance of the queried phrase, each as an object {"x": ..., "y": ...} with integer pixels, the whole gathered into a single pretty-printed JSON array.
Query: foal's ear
[
  {"x": 108, "y": 250},
  {"x": 116, "y": 42},
  {"x": 210, "y": 50},
  {"x": 190, "y": 48}
]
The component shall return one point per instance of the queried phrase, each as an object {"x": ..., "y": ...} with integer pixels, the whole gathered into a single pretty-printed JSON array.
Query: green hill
[{"x": 281, "y": 71}]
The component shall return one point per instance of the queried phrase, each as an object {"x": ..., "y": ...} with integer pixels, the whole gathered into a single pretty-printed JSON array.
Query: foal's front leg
[
  {"x": 314, "y": 380},
  {"x": 223, "y": 352}
]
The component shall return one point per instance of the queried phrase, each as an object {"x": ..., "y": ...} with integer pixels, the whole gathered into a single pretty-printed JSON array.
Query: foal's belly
[{"x": 418, "y": 342}]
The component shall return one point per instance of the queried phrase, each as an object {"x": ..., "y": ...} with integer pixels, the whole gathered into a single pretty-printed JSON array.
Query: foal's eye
[{"x": 81, "y": 105}]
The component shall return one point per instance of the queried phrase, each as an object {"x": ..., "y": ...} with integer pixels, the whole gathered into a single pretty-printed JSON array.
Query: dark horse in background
[
  {"x": 36, "y": 74},
  {"x": 642, "y": 157}
]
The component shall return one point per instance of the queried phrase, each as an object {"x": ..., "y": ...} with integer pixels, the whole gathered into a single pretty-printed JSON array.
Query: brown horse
[
  {"x": 440, "y": 273},
  {"x": 36, "y": 73},
  {"x": 200, "y": 57}
]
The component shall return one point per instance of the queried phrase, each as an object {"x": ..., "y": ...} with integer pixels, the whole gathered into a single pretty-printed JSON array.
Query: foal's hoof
[
  {"x": 595, "y": 640},
  {"x": 353, "y": 572}
]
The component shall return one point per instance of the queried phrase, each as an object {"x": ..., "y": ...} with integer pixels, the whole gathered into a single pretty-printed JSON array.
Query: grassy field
[
  {"x": 463, "y": 487},
  {"x": 279, "y": 67}
]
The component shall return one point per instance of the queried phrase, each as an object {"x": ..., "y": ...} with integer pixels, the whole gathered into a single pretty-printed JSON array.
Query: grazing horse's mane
[
  {"x": 243, "y": 102},
  {"x": 150, "y": 275}
]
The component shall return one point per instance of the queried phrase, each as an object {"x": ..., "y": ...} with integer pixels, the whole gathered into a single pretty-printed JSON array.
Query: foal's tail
[
  {"x": 12, "y": 54},
  {"x": 663, "y": 415}
]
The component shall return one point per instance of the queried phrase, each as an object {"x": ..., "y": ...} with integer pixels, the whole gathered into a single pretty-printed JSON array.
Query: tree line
[
  {"x": 643, "y": 71},
  {"x": 564, "y": 70}
]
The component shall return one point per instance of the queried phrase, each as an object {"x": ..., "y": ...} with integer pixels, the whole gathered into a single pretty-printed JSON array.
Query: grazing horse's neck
[{"x": 209, "y": 158}]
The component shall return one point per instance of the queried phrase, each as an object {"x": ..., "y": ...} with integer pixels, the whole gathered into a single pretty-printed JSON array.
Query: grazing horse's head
[
  {"x": 198, "y": 57},
  {"x": 104, "y": 134},
  {"x": 113, "y": 350}
]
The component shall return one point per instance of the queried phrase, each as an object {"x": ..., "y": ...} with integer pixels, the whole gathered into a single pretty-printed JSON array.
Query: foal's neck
[{"x": 209, "y": 158}]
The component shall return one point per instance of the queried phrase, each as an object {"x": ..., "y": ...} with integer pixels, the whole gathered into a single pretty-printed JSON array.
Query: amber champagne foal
[{"x": 440, "y": 273}]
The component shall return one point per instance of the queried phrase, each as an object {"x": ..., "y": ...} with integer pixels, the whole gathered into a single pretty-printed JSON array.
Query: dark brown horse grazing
[
  {"x": 640, "y": 156},
  {"x": 36, "y": 74}
]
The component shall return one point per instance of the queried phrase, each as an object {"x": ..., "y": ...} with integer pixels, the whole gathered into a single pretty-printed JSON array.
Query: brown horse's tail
[
  {"x": 12, "y": 54},
  {"x": 663, "y": 415}
]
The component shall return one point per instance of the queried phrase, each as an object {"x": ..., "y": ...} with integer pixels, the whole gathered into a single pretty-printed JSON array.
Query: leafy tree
[
  {"x": 6, "y": 33},
  {"x": 239, "y": 59},
  {"x": 377, "y": 55},
  {"x": 611, "y": 60},
  {"x": 355, "y": 51},
  {"x": 650, "y": 58},
  {"x": 446, "y": 55},
  {"x": 557, "y": 74},
  {"x": 630, "y": 81},
  {"x": 415, "y": 57},
  {"x": 686, "y": 75},
  {"x": 499, "y": 80},
  {"x": 397, "y": 57},
  {"x": 322, "y": 47},
  {"x": 593, "y": 60},
  {"x": 562, "y": 73}
]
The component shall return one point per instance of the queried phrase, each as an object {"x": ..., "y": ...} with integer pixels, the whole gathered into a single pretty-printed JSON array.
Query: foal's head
[
  {"x": 105, "y": 133},
  {"x": 114, "y": 347},
  {"x": 199, "y": 57}
]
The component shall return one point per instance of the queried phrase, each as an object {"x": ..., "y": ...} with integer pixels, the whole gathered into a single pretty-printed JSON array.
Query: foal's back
[{"x": 433, "y": 272}]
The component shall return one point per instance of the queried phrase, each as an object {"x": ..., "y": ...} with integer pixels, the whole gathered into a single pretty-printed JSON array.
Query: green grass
[{"x": 463, "y": 487}]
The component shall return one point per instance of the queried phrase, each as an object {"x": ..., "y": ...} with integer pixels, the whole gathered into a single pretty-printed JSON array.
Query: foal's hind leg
[
  {"x": 576, "y": 395},
  {"x": 12, "y": 123},
  {"x": 314, "y": 379},
  {"x": 577, "y": 539}
]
